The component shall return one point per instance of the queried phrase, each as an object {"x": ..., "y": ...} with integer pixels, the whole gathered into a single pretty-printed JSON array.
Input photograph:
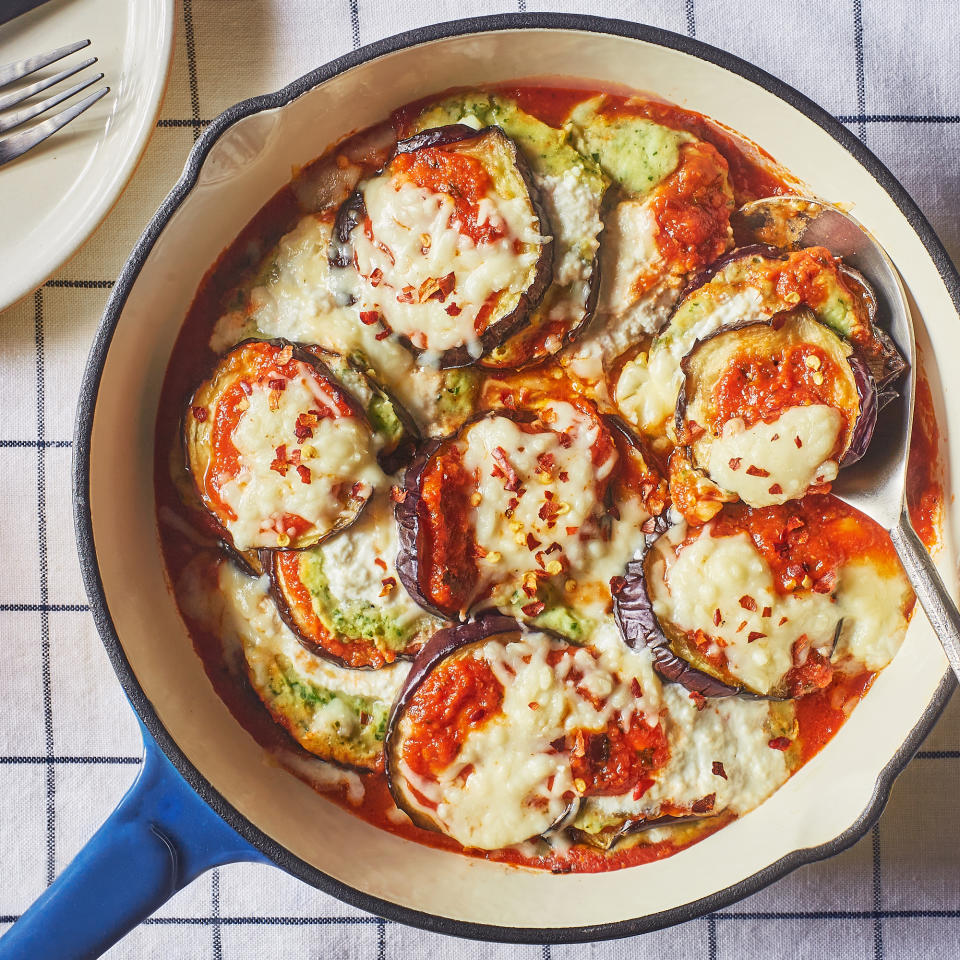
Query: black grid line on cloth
[
  {"x": 190, "y": 43},
  {"x": 712, "y": 936},
  {"x": 691, "y": 14},
  {"x": 47, "y": 687},
  {"x": 545, "y": 952},
  {"x": 877, "y": 893},
  {"x": 217, "y": 929},
  {"x": 861, "y": 73},
  {"x": 81, "y": 284},
  {"x": 898, "y": 118},
  {"x": 12, "y": 761},
  {"x": 46, "y": 444},
  {"x": 43, "y": 608},
  {"x": 355, "y": 22}
]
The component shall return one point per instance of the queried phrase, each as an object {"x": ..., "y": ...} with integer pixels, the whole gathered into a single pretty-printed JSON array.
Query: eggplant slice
[
  {"x": 342, "y": 599},
  {"x": 770, "y": 409},
  {"x": 748, "y": 285},
  {"x": 281, "y": 454},
  {"x": 498, "y": 732},
  {"x": 572, "y": 189},
  {"x": 766, "y": 603},
  {"x": 451, "y": 245},
  {"x": 505, "y": 509}
]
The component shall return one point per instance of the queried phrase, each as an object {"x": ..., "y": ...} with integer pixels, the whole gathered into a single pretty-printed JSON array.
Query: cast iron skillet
[{"x": 173, "y": 824}]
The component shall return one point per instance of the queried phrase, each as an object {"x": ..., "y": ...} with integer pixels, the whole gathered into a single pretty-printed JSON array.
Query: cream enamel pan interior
[{"x": 239, "y": 163}]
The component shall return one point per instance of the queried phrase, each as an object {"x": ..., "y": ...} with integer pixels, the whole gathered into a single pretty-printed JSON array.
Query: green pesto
[
  {"x": 301, "y": 701},
  {"x": 351, "y": 618},
  {"x": 635, "y": 152},
  {"x": 457, "y": 396}
]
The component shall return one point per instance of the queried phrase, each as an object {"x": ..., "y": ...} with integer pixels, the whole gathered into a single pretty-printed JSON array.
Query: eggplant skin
[
  {"x": 443, "y": 644},
  {"x": 191, "y": 436},
  {"x": 353, "y": 212},
  {"x": 869, "y": 408},
  {"x": 639, "y": 627}
]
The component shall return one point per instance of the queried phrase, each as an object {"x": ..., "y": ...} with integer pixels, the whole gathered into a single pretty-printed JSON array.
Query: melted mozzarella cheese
[
  {"x": 418, "y": 230},
  {"x": 774, "y": 449},
  {"x": 307, "y": 301},
  {"x": 339, "y": 454},
  {"x": 648, "y": 386},
  {"x": 350, "y": 568},
  {"x": 875, "y": 610},
  {"x": 731, "y": 731},
  {"x": 517, "y": 783},
  {"x": 501, "y": 528},
  {"x": 707, "y": 580}
]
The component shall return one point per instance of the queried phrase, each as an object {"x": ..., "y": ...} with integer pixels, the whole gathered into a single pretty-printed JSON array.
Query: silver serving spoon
[{"x": 876, "y": 484}]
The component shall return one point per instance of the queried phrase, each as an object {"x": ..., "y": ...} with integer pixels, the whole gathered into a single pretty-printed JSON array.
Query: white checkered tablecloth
[{"x": 69, "y": 745}]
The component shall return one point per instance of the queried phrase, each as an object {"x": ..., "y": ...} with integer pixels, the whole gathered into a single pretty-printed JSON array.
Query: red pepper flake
[
  {"x": 755, "y": 635},
  {"x": 533, "y": 705},
  {"x": 369, "y": 317},
  {"x": 533, "y": 609},
  {"x": 407, "y": 295},
  {"x": 798, "y": 442},
  {"x": 775, "y": 489},
  {"x": 571, "y": 530},
  {"x": 635, "y": 688},
  {"x": 445, "y": 286},
  {"x": 200, "y": 414},
  {"x": 565, "y": 440},
  {"x": 564, "y": 476},
  {"x": 546, "y": 463},
  {"x": 304, "y": 472},
  {"x": 285, "y": 355},
  {"x": 779, "y": 743},
  {"x": 748, "y": 603},
  {"x": 753, "y": 471},
  {"x": 699, "y": 700},
  {"x": 303, "y": 428},
  {"x": 280, "y": 464},
  {"x": 553, "y": 548},
  {"x": 718, "y": 770},
  {"x": 717, "y": 617},
  {"x": 766, "y": 612},
  {"x": 704, "y": 804},
  {"x": 742, "y": 625},
  {"x": 294, "y": 456},
  {"x": 783, "y": 620},
  {"x": 397, "y": 494},
  {"x": 532, "y": 542},
  {"x": 381, "y": 563},
  {"x": 775, "y": 437},
  {"x": 382, "y": 335},
  {"x": 643, "y": 785},
  {"x": 617, "y": 584},
  {"x": 548, "y": 494},
  {"x": 735, "y": 463},
  {"x": 453, "y": 310},
  {"x": 387, "y": 583},
  {"x": 277, "y": 384},
  {"x": 376, "y": 278},
  {"x": 505, "y": 469}
]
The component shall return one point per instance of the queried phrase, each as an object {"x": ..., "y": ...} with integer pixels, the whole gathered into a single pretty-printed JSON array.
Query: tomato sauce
[
  {"x": 457, "y": 697},
  {"x": 759, "y": 387},
  {"x": 460, "y": 177},
  {"x": 805, "y": 542},
  {"x": 753, "y": 174}
]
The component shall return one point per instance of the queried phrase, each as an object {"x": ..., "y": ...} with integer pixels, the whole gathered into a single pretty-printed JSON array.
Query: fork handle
[{"x": 930, "y": 589}]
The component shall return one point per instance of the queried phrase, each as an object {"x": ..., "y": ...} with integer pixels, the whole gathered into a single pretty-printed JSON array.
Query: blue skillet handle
[{"x": 159, "y": 838}]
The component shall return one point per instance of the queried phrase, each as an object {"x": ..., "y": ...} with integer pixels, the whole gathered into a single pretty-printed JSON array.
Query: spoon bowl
[{"x": 876, "y": 484}]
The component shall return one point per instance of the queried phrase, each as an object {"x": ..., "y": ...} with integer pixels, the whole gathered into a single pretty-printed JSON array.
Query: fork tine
[
  {"x": 18, "y": 96},
  {"x": 21, "y": 68},
  {"x": 19, "y": 143},
  {"x": 35, "y": 109}
]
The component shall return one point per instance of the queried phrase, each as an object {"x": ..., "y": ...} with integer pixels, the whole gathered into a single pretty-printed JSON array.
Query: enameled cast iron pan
[{"x": 205, "y": 795}]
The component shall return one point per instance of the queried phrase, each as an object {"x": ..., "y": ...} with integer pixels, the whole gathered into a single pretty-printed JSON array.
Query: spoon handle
[{"x": 937, "y": 603}]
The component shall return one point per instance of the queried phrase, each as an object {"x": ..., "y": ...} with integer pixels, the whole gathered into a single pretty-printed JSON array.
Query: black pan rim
[{"x": 84, "y": 525}]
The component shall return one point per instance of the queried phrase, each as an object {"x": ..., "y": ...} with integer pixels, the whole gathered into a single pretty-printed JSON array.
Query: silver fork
[{"x": 19, "y": 143}]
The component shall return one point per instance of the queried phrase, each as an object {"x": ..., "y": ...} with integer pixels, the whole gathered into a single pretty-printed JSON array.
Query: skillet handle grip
[
  {"x": 936, "y": 601},
  {"x": 161, "y": 836}
]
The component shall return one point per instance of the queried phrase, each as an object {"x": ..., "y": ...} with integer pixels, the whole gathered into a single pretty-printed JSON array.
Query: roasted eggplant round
[
  {"x": 281, "y": 454},
  {"x": 505, "y": 507},
  {"x": 763, "y": 602},
  {"x": 342, "y": 599},
  {"x": 773, "y": 408},
  {"x": 498, "y": 732},
  {"x": 450, "y": 245},
  {"x": 748, "y": 285}
]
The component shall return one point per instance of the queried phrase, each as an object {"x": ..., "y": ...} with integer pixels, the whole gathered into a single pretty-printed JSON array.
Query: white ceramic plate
[
  {"x": 55, "y": 195},
  {"x": 237, "y": 165}
]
